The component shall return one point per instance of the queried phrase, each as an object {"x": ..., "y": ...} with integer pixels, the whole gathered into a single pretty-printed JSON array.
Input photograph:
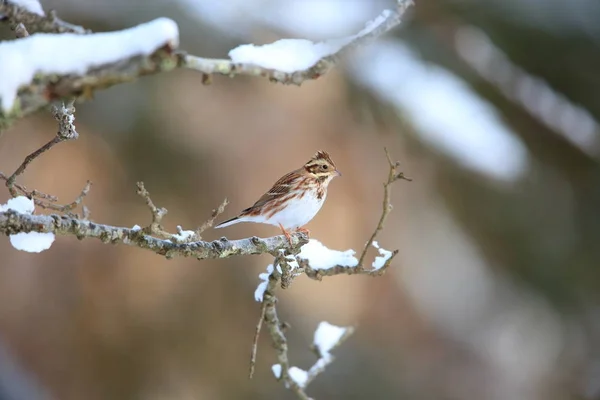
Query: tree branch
[
  {"x": 12, "y": 222},
  {"x": 275, "y": 328},
  {"x": 393, "y": 176}
]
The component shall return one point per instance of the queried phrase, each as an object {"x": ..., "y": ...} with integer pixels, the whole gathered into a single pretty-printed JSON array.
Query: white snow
[
  {"x": 292, "y": 262},
  {"x": 136, "y": 228},
  {"x": 380, "y": 260},
  {"x": 287, "y": 55},
  {"x": 20, "y": 204},
  {"x": 327, "y": 336},
  {"x": 276, "y": 368},
  {"x": 298, "y": 375},
  {"x": 74, "y": 54},
  {"x": 264, "y": 277},
  {"x": 33, "y": 6},
  {"x": 182, "y": 236},
  {"x": 32, "y": 242},
  {"x": 321, "y": 257},
  {"x": 291, "y": 55},
  {"x": 446, "y": 112}
]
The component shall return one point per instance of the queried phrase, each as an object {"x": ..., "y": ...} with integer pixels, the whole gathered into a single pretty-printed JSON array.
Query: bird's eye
[{"x": 324, "y": 167}]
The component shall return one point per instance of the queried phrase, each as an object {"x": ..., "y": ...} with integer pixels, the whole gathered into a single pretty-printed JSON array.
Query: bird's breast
[{"x": 299, "y": 209}]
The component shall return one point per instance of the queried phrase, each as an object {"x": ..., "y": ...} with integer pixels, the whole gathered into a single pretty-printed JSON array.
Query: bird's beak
[{"x": 338, "y": 173}]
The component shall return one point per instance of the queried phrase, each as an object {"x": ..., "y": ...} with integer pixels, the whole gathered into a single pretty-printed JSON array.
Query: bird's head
[{"x": 321, "y": 167}]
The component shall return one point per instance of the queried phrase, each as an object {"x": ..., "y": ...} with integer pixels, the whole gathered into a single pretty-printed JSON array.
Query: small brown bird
[{"x": 294, "y": 199}]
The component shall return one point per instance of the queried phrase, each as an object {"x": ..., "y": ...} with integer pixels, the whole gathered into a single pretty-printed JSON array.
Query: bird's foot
[{"x": 304, "y": 230}]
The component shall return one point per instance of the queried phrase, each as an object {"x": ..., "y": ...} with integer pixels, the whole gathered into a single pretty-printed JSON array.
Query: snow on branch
[
  {"x": 69, "y": 54},
  {"x": 70, "y": 62},
  {"x": 306, "y": 59},
  {"x": 327, "y": 337}
]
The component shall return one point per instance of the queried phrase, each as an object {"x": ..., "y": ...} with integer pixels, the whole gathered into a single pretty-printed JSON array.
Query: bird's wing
[{"x": 279, "y": 189}]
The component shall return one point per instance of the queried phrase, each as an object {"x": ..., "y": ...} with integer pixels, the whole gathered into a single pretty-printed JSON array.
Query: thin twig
[
  {"x": 155, "y": 227},
  {"x": 263, "y": 309},
  {"x": 393, "y": 176},
  {"x": 10, "y": 182},
  {"x": 209, "y": 222},
  {"x": 66, "y": 131},
  {"x": 78, "y": 200}
]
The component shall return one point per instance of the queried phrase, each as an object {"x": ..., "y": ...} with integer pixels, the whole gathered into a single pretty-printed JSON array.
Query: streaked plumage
[{"x": 294, "y": 199}]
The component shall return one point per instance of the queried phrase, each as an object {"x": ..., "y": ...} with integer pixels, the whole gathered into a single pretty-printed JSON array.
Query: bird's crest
[{"x": 322, "y": 155}]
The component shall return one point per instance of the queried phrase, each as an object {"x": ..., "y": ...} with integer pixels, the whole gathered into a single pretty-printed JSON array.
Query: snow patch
[
  {"x": 298, "y": 375},
  {"x": 321, "y": 257},
  {"x": 31, "y": 242},
  {"x": 291, "y": 55},
  {"x": 382, "y": 259},
  {"x": 327, "y": 336},
  {"x": 264, "y": 277}
]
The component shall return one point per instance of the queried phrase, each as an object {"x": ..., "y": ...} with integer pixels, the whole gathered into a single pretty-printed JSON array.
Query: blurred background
[{"x": 492, "y": 107}]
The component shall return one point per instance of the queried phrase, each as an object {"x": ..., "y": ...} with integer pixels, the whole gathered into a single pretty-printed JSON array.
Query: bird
[{"x": 294, "y": 199}]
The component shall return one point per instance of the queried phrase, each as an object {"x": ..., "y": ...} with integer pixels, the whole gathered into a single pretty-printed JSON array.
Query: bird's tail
[{"x": 231, "y": 221}]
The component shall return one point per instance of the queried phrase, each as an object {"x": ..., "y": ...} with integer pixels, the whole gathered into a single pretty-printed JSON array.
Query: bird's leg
[{"x": 286, "y": 234}]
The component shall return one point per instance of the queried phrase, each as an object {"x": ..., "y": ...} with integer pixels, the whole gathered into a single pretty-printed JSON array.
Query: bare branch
[
  {"x": 209, "y": 222},
  {"x": 66, "y": 131},
  {"x": 10, "y": 181},
  {"x": 278, "y": 338},
  {"x": 155, "y": 228},
  {"x": 12, "y": 222},
  {"x": 393, "y": 176},
  {"x": 254, "y": 351}
]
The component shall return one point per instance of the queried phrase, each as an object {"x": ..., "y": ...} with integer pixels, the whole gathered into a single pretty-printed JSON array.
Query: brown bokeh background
[{"x": 494, "y": 294}]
